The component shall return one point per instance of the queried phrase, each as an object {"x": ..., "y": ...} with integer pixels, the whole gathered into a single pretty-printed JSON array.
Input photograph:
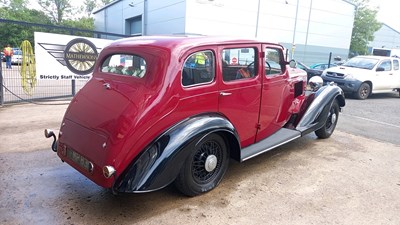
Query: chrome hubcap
[
  {"x": 211, "y": 163},
  {"x": 333, "y": 119}
]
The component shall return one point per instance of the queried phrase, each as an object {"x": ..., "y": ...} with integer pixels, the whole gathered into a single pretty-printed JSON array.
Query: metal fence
[
  {"x": 13, "y": 91},
  {"x": 11, "y": 81}
]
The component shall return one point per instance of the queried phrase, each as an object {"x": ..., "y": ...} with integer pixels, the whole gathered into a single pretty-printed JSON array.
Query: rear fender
[
  {"x": 159, "y": 164},
  {"x": 316, "y": 114}
]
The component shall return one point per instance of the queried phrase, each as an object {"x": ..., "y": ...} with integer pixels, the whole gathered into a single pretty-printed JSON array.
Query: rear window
[{"x": 122, "y": 64}]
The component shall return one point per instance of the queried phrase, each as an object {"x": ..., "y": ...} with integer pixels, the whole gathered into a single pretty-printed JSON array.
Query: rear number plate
[{"x": 80, "y": 160}]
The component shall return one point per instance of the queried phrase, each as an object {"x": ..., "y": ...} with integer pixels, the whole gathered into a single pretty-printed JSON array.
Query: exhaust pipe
[{"x": 49, "y": 133}]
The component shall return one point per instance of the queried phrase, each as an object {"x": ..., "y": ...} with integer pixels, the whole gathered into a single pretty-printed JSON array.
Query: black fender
[
  {"x": 159, "y": 164},
  {"x": 317, "y": 112}
]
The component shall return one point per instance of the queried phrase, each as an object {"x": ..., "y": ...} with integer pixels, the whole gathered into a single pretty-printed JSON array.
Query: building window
[{"x": 134, "y": 26}]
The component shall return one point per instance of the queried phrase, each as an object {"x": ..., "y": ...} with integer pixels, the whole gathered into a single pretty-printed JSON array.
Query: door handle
[{"x": 224, "y": 93}]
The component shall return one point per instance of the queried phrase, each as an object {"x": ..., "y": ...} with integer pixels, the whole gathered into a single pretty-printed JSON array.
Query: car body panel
[{"x": 175, "y": 145}]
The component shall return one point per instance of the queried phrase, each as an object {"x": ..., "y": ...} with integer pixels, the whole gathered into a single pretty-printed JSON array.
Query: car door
[
  {"x": 275, "y": 100},
  {"x": 240, "y": 89},
  {"x": 384, "y": 75},
  {"x": 395, "y": 77}
]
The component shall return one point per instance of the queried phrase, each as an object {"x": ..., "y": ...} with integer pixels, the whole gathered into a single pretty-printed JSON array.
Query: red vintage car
[{"x": 162, "y": 110}]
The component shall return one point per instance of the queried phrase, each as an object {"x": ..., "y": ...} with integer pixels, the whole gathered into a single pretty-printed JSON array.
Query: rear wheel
[
  {"x": 363, "y": 91},
  {"x": 205, "y": 167},
  {"x": 330, "y": 123}
]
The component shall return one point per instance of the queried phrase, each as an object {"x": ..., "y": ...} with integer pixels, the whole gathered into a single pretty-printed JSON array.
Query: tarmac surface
[{"x": 346, "y": 179}]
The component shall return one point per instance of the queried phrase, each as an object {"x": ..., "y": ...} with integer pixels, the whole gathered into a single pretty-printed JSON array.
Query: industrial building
[
  {"x": 309, "y": 29},
  {"x": 386, "y": 37}
]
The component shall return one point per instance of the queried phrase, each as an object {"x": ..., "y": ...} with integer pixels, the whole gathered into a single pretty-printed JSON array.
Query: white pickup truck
[{"x": 366, "y": 75}]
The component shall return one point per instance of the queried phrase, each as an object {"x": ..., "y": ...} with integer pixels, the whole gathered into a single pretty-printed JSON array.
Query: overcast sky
[{"x": 389, "y": 11}]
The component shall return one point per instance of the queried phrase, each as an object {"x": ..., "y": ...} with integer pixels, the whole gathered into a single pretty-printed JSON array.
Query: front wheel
[
  {"x": 330, "y": 123},
  {"x": 363, "y": 91},
  {"x": 205, "y": 167}
]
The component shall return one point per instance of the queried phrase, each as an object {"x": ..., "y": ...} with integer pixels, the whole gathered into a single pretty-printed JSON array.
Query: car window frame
[
  {"x": 213, "y": 71},
  {"x": 255, "y": 63},
  {"x": 281, "y": 60},
  {"x": 108, "y": 58},
  {"x": 385, "y": 61},
  {"x": 396, "y": 67}
]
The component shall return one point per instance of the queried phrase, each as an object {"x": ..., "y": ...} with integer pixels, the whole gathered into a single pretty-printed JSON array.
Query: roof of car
[
  {"x": 184, "y": 41},
  {"x": 374, "y": 57}
]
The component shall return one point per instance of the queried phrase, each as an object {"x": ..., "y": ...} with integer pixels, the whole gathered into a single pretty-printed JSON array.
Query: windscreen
[{"x": 362, "y": 63}]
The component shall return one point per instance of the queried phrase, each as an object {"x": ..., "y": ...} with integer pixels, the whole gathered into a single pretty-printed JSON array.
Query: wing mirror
[
  {"x": 292, "y": 63},
  {"x": 380, "y": 69}
]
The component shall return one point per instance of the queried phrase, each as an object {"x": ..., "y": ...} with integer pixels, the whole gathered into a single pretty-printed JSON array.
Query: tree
[
  {"x": 14, "y": 34},
  {"x": 365, "y": 26},
  {"x": 56, "y": 9},
  {"x": 14, "y": 4},
  {"x": 89, "y": 6},
  {"x": 84, "y": 23},
  {"x": 106, "y": 2}
]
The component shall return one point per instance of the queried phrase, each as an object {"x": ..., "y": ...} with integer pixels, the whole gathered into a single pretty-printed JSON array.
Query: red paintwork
[{"x": 129, "y": 115}]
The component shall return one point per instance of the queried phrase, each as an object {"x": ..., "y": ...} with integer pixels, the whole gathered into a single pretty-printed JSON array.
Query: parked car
[
  {"x": 176, "y": 112},
  {"x": 3, "y": 57},
  {"x": 366, "y": 75},
  {"x": 310, "y": 72},
  {"x": 17, "y": 56},
  {"x": 322, "y": 66}
]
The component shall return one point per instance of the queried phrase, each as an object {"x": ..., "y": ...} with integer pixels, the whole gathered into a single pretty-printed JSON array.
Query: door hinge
[{"x": 258, "y": 126}]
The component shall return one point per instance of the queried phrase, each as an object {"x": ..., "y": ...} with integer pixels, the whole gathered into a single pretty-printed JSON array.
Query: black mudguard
[
  {"x": 316, "y": 114},
  {"x": 146, "y": 173}
]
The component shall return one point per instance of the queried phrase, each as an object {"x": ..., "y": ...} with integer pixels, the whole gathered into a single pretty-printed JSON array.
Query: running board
[{"x": 279, "y": 138}]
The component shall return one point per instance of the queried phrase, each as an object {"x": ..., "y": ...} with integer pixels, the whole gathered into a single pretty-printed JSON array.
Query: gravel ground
[{"x": 345, "y": 179}]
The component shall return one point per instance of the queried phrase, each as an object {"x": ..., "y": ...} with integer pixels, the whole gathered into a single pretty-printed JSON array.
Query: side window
[
  {"x": 272, "y": 62},
  {"x": 238, "y": 63},
  {"x": 128, "y": 65},
  {"x": 387, "y": 65},
  {"x": 198, "y": 68},
  {"x": 396, "y": 64}
]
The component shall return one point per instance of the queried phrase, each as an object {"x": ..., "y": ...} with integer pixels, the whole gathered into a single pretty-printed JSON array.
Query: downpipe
[{"x": 48, "y": 134}]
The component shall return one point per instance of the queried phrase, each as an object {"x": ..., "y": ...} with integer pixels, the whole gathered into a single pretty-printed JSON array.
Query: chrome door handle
[{"x": 224, "y": 93}]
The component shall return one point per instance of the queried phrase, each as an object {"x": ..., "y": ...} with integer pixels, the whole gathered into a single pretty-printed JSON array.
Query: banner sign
[{"x": 66, "y": 57}]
